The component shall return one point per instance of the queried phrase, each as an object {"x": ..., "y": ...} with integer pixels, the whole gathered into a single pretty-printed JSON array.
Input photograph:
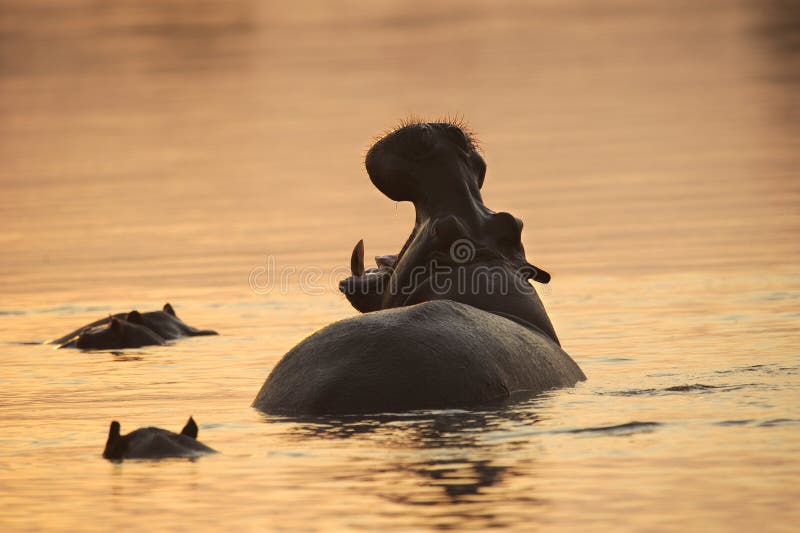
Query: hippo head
[
  {"x": 128, "y": 332},
  {"x": 148, "y": 442},
  {"x": 459, "y": 249}
]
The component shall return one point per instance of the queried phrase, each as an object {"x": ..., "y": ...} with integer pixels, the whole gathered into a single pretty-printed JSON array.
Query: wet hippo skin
[
  {"x": 451, "y": 320},
  {"x": 435, "y": 354}
]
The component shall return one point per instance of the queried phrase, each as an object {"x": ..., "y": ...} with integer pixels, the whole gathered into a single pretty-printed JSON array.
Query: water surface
[{"x": 165, "y": 150}]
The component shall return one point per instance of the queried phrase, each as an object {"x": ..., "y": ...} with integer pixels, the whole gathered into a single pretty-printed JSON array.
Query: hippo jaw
[
  {"x": 366, "y": 287},
  {"x": 438, "y": 168}
]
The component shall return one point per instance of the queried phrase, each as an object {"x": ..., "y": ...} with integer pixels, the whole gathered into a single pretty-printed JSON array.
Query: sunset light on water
[{"x": 212, "y": 155}]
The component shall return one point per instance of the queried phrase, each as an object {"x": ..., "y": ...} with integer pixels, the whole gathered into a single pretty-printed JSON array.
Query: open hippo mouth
[
  {"x": 459, "y": 249},
  {"x": 450, "y": 321}
]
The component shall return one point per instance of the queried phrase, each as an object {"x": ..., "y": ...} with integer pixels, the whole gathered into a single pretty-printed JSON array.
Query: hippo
[
  {"x": 164, "y": 324},
  {"x": 117, "y": 333},
  {"x": 451, "y": 320},
  {"x": 154, "y": 443}
]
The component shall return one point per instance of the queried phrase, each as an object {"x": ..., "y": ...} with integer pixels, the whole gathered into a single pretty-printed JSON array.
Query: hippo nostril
[
  {"x": 459, "y": 138},
  {"x": 416, "y": 141}
]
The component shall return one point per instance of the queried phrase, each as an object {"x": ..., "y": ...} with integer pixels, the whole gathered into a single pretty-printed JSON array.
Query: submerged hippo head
[
  {"x": 128, "y": 332},
  {"x": 164, "y": 324},
  {"x": 459, "y": 249},
  {"x": 154, "y": 443}
]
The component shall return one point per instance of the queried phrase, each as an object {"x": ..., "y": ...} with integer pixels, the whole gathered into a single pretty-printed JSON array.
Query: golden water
[{"x": 156, "y": 151}]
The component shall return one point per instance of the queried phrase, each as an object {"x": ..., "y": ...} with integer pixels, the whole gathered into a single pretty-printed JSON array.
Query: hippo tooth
[
  {"x": 357, "y": 259},
  {"x": 537, "y": 274},
  {"x": 386, "y": 260}
]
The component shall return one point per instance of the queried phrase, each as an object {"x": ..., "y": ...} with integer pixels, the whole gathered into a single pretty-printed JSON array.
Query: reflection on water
[
  {"x": 442, "y": 428},
  {"x": 458, "y": 477},
  {"x": 157, "y": 151}
]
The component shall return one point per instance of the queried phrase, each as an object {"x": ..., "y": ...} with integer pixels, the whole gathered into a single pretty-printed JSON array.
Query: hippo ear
[
  {"x": 190, "y": 429},
  {"x": 113, "y": 449},
  {"x": 135, "y": 317},
  {"x": 169, "y": 310},
  {"x": 535, "y": 273},
  {"x": 506, "y": 228}
]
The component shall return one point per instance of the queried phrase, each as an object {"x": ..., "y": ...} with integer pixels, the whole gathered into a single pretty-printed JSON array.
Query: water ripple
[
  {"x": 695, "y": 387},
  {"x": 628, "y": 428}
]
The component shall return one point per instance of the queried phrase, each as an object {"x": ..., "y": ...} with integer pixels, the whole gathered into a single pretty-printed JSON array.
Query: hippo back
[{"x": 436, "y": 354}]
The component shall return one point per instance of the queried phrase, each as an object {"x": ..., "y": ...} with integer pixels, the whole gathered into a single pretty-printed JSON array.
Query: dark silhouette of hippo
[
  {"x": 164, "y": 325},
  {"x": 115, "y": 334},
  {"x": 154, "y": 443},
  {"x": 451, "y": 320}
]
